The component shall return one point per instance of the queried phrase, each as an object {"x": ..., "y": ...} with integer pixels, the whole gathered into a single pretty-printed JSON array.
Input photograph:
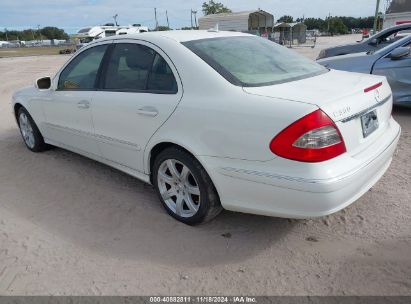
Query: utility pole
[
  {"x": 155, "y": 17},
  {"x": 115, "y": 19},
  {"x": 168, "y": 23},
  {"x": 195, "y": 18},
  {"x": 38, "y": 31},
  {"x": 191, "y": 16},
  {"x": 377, "y": 8},
  {"x": 7, "y": 38},
  {"x": 329, "y": 20}
]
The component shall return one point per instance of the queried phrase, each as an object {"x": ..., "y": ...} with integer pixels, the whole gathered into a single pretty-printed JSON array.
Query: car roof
[{"x": 183, "y": 35}]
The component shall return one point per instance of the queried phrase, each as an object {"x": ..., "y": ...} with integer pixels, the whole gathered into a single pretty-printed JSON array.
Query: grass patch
[{"x": 32, "y": 51}]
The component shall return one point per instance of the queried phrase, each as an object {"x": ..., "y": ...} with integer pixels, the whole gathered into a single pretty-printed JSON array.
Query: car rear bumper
[{"x": 308, "y": 190}]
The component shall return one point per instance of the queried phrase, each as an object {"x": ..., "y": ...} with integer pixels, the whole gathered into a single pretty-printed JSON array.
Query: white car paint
[{"x": 228, "y": 129}]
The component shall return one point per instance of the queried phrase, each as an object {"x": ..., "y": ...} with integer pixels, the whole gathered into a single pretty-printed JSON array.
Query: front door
[
  {"x": 68, "y": 110},
  {"x": 398, "y": 75},
  {"x": 138, "y": 92}
]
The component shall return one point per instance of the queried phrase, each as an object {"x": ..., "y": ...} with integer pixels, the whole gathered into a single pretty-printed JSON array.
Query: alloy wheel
[
  {"x": 26, "y": 130},
  {"x": 178, "y": 188}
]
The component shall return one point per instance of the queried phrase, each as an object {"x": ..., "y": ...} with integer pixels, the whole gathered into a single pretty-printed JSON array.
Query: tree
[
  {"x": 30, "y": 34},
  {"x": 286, "y": 19},
  {"x": 337, "y": 26},
  {"x": 315, "y": 24},
  {"x": 214, "y": 8},
  {"x": 51, "y": 32},
  {"x": 162, "y": 28}
]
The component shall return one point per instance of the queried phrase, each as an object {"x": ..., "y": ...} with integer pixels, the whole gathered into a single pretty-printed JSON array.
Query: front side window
[
  {"x": 81, "y": 72},
  {"x": 253, "y": 61},
  {"x": 138, "y": 68}
]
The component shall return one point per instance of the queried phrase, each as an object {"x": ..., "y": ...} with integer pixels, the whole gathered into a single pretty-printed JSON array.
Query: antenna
[{"x": 115, "y": 19}]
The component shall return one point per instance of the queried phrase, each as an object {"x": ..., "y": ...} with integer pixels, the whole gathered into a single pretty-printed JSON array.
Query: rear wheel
[
  {"x": 29, "y": 131},
  {"x": 184, "y": 187}
]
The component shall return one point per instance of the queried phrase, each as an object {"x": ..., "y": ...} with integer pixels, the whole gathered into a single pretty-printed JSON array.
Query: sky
[{"x": 74, "y": 14}]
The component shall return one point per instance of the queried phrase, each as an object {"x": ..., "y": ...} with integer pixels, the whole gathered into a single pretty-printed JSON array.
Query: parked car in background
[
  {"x": 393, "y": 62},
  {"x": 374, "y": 43},
  {"x": 217, "y": 120}
]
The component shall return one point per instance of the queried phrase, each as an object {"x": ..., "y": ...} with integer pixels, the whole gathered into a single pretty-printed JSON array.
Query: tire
[
  {"x": 189, "y": 187},
  {"x": 29, "y": 131}
]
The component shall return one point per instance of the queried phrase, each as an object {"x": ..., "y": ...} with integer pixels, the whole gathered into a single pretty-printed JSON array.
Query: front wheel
[
  {"x": 184, "y": 187},
  {"x": 29, "y": 131}
]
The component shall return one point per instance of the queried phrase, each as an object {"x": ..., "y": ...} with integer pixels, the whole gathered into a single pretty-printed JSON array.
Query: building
[
  {"x": 290, "y": 33},
  {"x": 398, "y": 12},
  {"x": 257, "y": 21}
]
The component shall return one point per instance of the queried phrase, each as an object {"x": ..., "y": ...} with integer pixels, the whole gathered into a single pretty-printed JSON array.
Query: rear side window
[
  {"x": 161, "y": 77},
  {"x": 138, "y": 68},
  {"x": 81, "y": 72}
]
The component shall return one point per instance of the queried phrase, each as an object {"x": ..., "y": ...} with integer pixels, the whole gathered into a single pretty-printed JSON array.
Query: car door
[
  {"x": 398, "y": 75},
  {"x": 139, "y": 90},
  {"x": 68, "y": 110}
]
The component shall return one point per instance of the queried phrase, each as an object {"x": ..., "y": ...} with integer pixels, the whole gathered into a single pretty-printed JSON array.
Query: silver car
[
  {"x": 374, "y": 43},
  {"x": 393, "y": 61}
]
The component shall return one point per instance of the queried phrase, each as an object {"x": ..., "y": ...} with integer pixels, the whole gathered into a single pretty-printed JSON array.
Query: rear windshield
[{"x": 253, "y": 61}]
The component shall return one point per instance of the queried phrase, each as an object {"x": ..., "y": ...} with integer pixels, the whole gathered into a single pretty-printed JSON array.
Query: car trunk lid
[{"x": 345, "y": 97}]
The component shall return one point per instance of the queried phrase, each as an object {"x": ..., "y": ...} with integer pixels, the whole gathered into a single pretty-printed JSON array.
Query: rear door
[
  {"x": 139, "y": 90},
  {"x": 398, "y": 75}
]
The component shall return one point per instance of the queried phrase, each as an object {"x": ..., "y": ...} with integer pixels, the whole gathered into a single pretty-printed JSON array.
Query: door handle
[
  {"x": 84, "y": 104},
  {"x": 148, "y": 111}
]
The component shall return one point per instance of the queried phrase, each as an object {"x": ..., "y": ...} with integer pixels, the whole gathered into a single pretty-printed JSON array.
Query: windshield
[{"x": 253, "y": 61}]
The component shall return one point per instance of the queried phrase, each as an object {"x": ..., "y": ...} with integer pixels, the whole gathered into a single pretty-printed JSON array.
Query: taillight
[{"x": 313, "y": 138}]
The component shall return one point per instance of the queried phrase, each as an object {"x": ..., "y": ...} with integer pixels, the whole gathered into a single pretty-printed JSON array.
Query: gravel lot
[{"x": 71, "y": 226}]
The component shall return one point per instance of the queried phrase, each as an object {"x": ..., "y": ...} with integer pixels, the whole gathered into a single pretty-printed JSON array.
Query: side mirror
[
  {"x": 399, "y": 53},
  {"x": 373, "y": 42},
  {"x": 43, "y": 83}
]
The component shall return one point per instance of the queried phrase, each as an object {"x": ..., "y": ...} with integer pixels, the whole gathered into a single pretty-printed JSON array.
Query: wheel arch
[
  {"x": 161, "y": 146},
  {"x": 157, "y": 149},
  {"x": 17, "y": 106}
]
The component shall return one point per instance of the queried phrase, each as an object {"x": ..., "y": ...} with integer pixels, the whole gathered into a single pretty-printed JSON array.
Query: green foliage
[
  {"x": 53, "y": 33},
  {"x": 189, "y": 28},
  {"x": 214, "y": 8},
  {"x": 33, "y": 34},
  {"x": 337, "y": 26},
  {"x": 286, "y": 19},
  {"x": 315, "y": 23},
  {"x": 163, "y": 28}
]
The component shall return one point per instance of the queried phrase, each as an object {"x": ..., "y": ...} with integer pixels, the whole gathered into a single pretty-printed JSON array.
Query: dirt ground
[{"x": 71, "y": 226}]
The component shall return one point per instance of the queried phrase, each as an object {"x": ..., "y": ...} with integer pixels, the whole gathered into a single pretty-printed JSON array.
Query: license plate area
[{"x": 369, "y": 123}]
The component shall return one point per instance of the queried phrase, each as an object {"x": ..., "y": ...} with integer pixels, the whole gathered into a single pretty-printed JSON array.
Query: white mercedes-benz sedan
[{"x": 217, "y": 120}]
